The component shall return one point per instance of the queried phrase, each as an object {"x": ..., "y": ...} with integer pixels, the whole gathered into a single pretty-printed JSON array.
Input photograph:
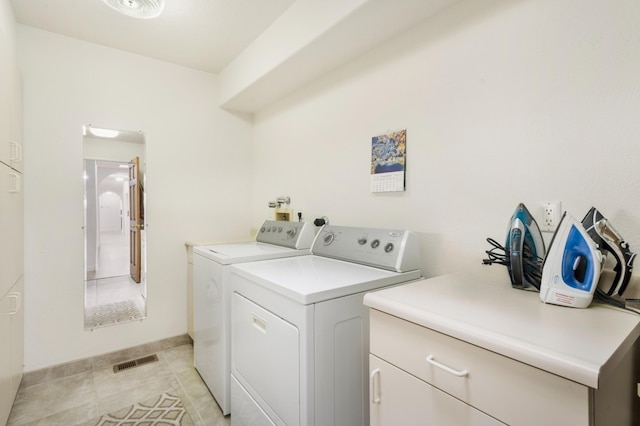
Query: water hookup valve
[{"x": 282, "y": 213}]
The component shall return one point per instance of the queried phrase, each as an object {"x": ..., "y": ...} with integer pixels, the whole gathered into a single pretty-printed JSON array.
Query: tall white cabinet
[{"x": 11, "y": 231}]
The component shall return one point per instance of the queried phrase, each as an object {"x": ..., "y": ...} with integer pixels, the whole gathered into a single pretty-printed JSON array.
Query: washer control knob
[
  {"x": 262, "y": 229},
  {"x": 362, "y": 240},
  {"x": 328, "y": 239},
  {"x": 292, "y": 232},
  {"x": 375, "y": 243},
  {"x": 279, "y": 228},
  {"x": 388, "y": 248}
]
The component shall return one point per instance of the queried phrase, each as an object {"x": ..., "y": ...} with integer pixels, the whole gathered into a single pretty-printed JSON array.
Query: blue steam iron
[
  {"x": 610, "y": 242},
  {"x": 571, "y": 269},
  {"x": 525, "y": 248}
]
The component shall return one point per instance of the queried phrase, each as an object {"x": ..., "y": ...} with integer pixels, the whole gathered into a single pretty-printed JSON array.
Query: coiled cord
[{"x": 531, "y": 265}]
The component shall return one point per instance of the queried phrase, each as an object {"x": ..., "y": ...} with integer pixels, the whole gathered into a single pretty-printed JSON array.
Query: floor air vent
[{"x": 135, "y": 363}]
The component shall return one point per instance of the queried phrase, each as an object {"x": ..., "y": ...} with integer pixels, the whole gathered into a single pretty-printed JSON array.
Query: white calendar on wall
[{"x": 388, "y": 158}]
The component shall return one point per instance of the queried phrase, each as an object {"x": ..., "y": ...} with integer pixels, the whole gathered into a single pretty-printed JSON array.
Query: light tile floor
[
  {"x": 62, "y": 396},
  {"x": 111, "y": 284},
  {"x": 110, "y": 290}
]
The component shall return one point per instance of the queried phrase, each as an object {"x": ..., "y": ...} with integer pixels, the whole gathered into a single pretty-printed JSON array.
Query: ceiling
[{"x": 201, "y": 34}]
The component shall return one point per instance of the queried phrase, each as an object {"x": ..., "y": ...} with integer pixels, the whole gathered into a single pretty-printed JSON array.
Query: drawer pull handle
[
  {"x": 15, "y": 183},
  {"x": 375, "y": 386},
  {"x": 15, "y": 152},
  {"x": 458, "y": 373},
  {"x": 15, "y": 307},
  {"x": 259, "y": 323}
]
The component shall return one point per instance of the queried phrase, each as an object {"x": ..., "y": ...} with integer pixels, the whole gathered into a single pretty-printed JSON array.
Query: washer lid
[
  {"x": 312, "y": 279},
  {"x": 227, "y": 254}
]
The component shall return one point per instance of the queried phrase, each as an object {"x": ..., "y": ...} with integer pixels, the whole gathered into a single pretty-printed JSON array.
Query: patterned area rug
[
  {"x": 163, "y": 410},
  {"x": 113, "y": 313}
]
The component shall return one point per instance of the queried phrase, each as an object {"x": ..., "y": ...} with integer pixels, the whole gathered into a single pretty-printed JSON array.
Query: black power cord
[{"x": 531, "y": 265}]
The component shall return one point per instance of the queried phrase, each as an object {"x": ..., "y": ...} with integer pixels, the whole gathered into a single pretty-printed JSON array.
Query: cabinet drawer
[
  {"x": 513, "y": 392},
  {"x": 398, "y": 398}
]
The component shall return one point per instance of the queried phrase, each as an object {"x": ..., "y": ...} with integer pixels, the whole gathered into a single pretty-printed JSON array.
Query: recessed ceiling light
[
  {"x": 103, "y": 133},
  {"x": 143, "y": 9}
]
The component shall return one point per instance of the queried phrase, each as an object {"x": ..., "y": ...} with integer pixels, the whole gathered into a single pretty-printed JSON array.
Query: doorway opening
[{"x": 114, "y": 234}]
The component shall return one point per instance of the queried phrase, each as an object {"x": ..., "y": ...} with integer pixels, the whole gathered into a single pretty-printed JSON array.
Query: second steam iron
[
  {"x": 610, "y": 241},
  {"x": 571, "y": 269}
]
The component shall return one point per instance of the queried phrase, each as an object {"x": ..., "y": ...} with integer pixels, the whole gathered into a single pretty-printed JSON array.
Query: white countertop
[{"x": 481, "y": 308}]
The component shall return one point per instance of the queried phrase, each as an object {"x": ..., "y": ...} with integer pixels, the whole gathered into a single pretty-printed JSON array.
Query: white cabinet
[
  {"x": 16, "y": 318},
  {"x": 11, "y": 230},
  {"x": 12, "y": 347},
  {"x": 15, "y": 119},
  {"x": 11, "y": 227},
  {"x": 507, "y": 389},
  {"x": 398, "y": 398},
  {"x": 460, "y": 350},
  {"x": 5, "y": 90},
  {"x": 11, "y": 115}
]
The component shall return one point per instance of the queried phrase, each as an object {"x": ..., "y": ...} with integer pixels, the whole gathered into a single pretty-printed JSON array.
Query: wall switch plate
[{"x": 551, "y": 215}]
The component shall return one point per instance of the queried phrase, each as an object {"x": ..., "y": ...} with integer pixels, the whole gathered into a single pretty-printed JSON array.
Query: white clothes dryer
[
  {"x": 300, "y": 334},
  {"x": 212, "y": 296}
]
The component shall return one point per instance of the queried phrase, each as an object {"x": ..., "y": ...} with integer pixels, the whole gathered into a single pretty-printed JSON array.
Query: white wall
[
  {"x": 503, "y": 102},
  {"x": 198, "y": 175}
]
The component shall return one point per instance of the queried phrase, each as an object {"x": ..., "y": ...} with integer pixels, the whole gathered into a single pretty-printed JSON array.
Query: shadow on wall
[{"x": 431, "y": 254}]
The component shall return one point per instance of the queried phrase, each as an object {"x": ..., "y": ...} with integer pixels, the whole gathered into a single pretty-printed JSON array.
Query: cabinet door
[
  {"x": 16, "y": 316},
  {"x": 11, "y": 242},
  {"x": 15, "y": 119},
  {"x": 398, "y": 398},
  {"x": 6, "y": 376},
  {"x": 5, "y": 88}
]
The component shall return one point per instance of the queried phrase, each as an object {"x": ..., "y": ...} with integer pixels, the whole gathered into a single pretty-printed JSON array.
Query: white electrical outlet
[{"x": 551, "y": 215}]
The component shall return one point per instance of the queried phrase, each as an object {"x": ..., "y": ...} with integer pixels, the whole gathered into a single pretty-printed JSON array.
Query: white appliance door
[
  {"x": 266, "y": 358},
  {"x": 246, "y": 411},
  {"x": 210, "y": 340}
]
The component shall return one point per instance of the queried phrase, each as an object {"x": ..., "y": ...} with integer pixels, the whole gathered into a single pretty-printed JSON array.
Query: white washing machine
[
  {"x": 212, "y": 296},
  {"x": 300, "y": 333}
]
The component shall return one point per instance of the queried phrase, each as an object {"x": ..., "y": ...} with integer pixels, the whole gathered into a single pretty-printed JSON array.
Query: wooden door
[{"x": 136, "y": 218}]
